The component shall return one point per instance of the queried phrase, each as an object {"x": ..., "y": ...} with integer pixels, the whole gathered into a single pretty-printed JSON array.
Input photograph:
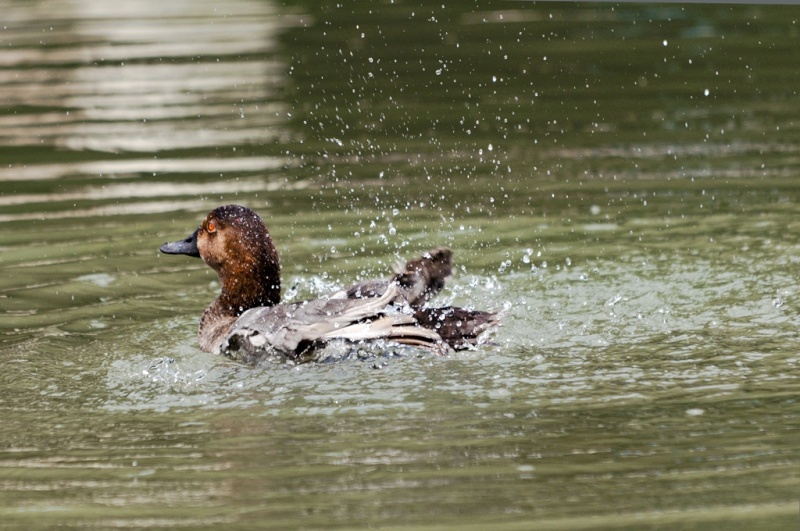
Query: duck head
[{"x": 235, "y": 243}]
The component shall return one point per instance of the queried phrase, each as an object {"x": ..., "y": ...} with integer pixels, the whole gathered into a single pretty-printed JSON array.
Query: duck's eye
[{"x": 211, "y": 226}]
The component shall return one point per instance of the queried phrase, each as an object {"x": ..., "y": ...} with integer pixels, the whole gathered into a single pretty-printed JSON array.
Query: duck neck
[
  {"x": 240, "y": 292},
  {"x": 251, "y": 286}
]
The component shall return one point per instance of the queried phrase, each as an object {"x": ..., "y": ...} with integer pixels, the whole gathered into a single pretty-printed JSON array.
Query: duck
[{"x": 248, "y": 318}]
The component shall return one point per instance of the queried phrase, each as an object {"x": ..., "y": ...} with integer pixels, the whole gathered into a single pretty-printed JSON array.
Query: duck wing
[
  {"x": 419, "y": 280},
  {"x": 294, "y": 329}
]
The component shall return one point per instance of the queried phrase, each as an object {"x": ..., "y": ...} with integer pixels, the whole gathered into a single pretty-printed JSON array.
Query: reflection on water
[
  {"x": 124, "y": 73},
  {"x": 618, "y": 180},
  {"x": 87, "y": 79}
]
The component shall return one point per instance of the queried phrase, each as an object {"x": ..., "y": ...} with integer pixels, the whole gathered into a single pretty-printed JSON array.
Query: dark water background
[{"x": 620, "y": 180}]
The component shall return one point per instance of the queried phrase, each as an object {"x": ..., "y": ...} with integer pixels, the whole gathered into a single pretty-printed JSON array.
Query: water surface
[{"x": 619, "y": 180}]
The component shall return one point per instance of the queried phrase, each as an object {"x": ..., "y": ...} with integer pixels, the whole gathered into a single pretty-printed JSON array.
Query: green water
[{"x": 621, "y": 181}]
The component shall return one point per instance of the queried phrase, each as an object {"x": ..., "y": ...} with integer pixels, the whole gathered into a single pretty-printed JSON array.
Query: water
[{"x": 619, "y": 180}]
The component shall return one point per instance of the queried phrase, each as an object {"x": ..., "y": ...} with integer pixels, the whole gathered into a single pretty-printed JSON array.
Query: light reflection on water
[
  {"x": 136, "y": 81},
  {"x": 639, "y": 237}
]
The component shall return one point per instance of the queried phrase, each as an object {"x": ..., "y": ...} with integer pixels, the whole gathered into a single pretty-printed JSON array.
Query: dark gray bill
[{"x": 187, "y": 246}]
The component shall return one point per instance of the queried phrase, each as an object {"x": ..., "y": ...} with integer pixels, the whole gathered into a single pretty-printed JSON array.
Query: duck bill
[{"x": 187, "y": 246}]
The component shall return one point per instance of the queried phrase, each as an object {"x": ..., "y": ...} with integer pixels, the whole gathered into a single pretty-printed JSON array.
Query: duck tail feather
[{"x": 458, "y": 327}]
